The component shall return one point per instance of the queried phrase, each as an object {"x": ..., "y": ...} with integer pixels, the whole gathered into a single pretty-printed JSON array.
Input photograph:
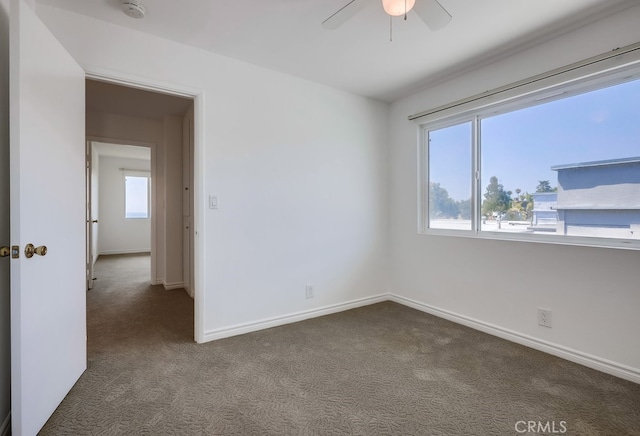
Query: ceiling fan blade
[
  {"x": 432, "y": 13},
  {"x": 343, "y": 14}
]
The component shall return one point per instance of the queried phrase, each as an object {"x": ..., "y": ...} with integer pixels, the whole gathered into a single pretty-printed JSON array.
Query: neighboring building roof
[
  {"x": 597, "y": 207},
  {"x": 597, "y": 163}
]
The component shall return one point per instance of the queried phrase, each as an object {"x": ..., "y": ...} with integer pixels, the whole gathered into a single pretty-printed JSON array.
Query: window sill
[{"x": 620, "y": 244}]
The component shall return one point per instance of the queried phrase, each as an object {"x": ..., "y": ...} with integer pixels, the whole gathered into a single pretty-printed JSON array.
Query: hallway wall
[
  {"x": 173, "y": 274},
  {"x": 165, "y": 136},
  {"x": 119, "y": 235}
]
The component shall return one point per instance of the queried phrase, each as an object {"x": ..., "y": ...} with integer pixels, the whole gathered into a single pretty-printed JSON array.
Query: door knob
[
  {"x": 30, "y": 250},
  {"x": 5, "y": 251},
  {"x": 94, "y": 221}
]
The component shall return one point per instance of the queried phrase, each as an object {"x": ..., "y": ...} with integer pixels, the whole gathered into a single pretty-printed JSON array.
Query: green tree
[
  {"x": 521, "y": 206},
  {"x": 496, "y": 198},
  {"x": 528, "y": 205},
  {"x": 545, "y": 186},
  {"x": 464, "y": 209},
  {"x": 440, "y": 204}
]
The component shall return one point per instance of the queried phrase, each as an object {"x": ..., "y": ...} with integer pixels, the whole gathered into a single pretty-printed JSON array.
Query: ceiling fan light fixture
[{"x": 396, "y": 8}]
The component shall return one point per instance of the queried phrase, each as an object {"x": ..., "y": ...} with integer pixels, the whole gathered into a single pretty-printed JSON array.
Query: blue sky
[{"x": 520, "y": 147}]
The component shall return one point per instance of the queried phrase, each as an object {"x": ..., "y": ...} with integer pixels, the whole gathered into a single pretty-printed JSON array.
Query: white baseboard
[
  {"x": 241, "y": 329},
  {"x": 590, "y": 361},
  {"x": 129, "y": 251},
  {"x": 171, "y": 286},
  {"x": 594, "y": 362},
  {"x": 5, "y": 428}
]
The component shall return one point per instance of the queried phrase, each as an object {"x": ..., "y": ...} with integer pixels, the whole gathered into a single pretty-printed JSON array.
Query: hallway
[
  {"x": 131, "y": 326},
  {"x": 124, "y": 311}
]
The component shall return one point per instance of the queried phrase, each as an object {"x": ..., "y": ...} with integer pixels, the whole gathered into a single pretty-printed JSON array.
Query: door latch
[{"x": 14, "y": 251}]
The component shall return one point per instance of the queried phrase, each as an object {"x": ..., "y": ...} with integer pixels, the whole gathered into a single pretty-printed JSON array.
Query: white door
[{"x": 48, "y": 297}]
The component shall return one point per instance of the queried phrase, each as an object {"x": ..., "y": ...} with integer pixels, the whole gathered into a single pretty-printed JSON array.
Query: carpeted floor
[{"x": 379, "y": 370}]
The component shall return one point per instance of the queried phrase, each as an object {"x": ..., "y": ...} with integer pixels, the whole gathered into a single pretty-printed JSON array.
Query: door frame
[
  {"x": 197, "y": 95},
  {"x": 152, "y": 147},
  {"x": 88, "y": 204}
]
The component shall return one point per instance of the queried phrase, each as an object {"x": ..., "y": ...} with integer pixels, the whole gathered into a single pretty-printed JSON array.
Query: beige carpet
[{"x": 379, "y": 370}]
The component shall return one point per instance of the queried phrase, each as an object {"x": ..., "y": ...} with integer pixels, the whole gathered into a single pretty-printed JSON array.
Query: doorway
[
  {"x": 119, "y": 202},
  {"x": 120, "y": 120}
]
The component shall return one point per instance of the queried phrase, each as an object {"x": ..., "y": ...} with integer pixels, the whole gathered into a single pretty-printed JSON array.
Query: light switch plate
[{"x": 213, "y": 202}]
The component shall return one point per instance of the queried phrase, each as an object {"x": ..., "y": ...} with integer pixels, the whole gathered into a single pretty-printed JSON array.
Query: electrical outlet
[
  {"x": 544, "y": 317},
  {"x": 309, "y": 291}
]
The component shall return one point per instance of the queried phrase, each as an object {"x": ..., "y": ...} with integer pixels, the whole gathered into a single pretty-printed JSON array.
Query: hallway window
[{"x": 136, "y": 196}]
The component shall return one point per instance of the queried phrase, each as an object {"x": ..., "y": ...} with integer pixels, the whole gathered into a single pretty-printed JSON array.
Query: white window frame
[
  {"x": 570, "y": 81},
  {"x": 137, "y": 173}
]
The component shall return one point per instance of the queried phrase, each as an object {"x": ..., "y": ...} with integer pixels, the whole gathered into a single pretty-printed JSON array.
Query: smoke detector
[{"x": 133, "y": 8}]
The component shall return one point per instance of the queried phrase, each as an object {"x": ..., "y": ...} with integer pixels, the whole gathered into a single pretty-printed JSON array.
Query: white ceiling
[{"x": 285, "y": 35}]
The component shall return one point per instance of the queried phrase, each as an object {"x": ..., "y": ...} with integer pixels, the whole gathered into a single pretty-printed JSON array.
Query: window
[
  {"x": 136, "y": 195},
  {"x": 449, "y": 161},
  {"x": 552, "y": 166}
]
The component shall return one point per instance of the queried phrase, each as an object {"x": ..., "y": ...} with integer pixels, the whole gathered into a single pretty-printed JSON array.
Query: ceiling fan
[{"x": 430, "y": 11}]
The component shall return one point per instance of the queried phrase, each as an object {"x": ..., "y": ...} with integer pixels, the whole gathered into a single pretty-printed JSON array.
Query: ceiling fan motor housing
[{"x": 133, "y": 8}]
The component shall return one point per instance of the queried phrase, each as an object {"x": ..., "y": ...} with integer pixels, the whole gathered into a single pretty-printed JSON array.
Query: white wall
[
  {"x": 5, "y": 337},
  {"x": 593, "y": 292},
  {"x": 117, "y": 234},
  {"x": 299, "y": 169}
]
